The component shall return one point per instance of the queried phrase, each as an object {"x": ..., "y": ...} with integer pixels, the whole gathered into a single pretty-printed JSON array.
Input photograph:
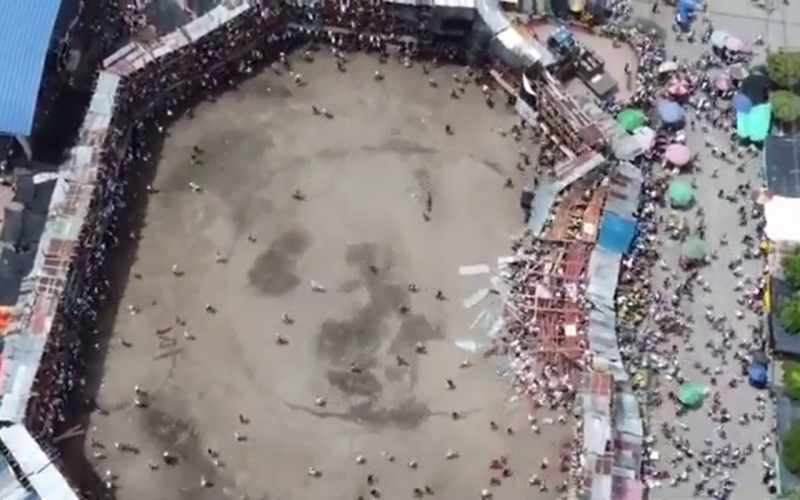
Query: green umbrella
[
  {"x": 631, "y": 119},
  {"x": 692, "y": 395},
  {"x": 695, "y": 249},
  {"x": 681, "y": 195}
]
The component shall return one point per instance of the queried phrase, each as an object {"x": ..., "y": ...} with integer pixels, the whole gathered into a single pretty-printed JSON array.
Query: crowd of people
[{"x": 675, "y": 325}]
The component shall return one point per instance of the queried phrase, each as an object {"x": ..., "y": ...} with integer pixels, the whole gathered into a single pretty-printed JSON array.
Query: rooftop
[{"x": 26, "y": 32}]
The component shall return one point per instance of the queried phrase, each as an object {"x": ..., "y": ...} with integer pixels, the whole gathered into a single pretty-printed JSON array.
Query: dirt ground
[{"x": 365, "y": 174}]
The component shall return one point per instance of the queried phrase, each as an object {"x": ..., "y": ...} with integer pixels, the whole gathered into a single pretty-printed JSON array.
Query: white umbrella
[
  {"x": 718, "y": 38},
  {"x": 645, "y": 137},
  {"x": 668, "y": 67}
]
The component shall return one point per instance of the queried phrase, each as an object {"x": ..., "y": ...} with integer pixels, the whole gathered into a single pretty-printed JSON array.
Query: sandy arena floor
[{"x": 365, "y": 174}]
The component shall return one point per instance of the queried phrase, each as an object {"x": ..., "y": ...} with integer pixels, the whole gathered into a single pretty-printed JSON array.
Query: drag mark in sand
[
  {"x": 354, "y": 348},
  {"x": 274, "y": 271}
]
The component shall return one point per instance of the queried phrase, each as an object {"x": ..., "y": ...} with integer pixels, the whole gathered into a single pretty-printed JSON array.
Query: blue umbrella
[
  {"x": 670, "y": 112},
  {"x": 741, "y": 103},
  {"x": 758, "y": 375}
]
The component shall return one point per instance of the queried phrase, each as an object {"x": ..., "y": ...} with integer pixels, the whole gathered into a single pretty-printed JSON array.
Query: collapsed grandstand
[{"x": 584, "y": 221}]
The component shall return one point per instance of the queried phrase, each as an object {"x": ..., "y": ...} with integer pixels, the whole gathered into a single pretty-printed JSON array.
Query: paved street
[{"x": 741, "y": 19}]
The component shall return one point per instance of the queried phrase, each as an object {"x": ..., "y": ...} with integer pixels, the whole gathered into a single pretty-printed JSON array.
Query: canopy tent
[
  {"x": 631, "y": 119},
  {"x": 741, "y": 103},
  {"x": 678, "y": 155},
  {"x": 755, "y": 125},
  {"x": 781, "y": 214},
  {"x": 758, "y": 375},
  {"x": 760, "y": 357},
  {"x": 722, "y": 82},
  {"x": 718, "y": 38},
  {"x": 645, "y": 137},
  {"x": 668, "y": 67},
  {"x": 734, "y": 44},
  {"x": 680, "y": 194},
  {"x": 679, "y": 88},
  {"x": 756, "y": 88},
  {"x": 695, "y": 249},
  {"x": 670, "y": 112},
  {"x": 738, "y": 71},
  {"x": 692, "y": 395}
]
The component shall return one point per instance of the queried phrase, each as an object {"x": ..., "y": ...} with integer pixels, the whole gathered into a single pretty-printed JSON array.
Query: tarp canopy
[
  {"x": 781, "y": 215},
  {"x": 741, "y": 103},
  {"x": 616, "y": 233},
  {"x": 738, "y": 71},
  {"x": 695, "y": 249},
  {"x": 678, "y": 155},
  {"x": 718, "y": 38},
  {"x": 760, "y": 357},
  {"x": 631, "y": 119},
  {"x": 670, "y": 112},
  {"x": 758, "y": 375},
  {"x": 755, "y": 125},
  {"x": 756, "y": 88},
  {"x": 681, "y": 195},
  {"x": 692, "y": 395},
  {"x": 667, "y": 67}
]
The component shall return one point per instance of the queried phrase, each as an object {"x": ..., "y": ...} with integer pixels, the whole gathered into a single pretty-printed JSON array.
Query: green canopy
[
  {"x": 692, "y": 395},
  {"x": 695, "y": 249},
  {"x": 681, "y": 195},
  {"x": 631, "y": 119}
]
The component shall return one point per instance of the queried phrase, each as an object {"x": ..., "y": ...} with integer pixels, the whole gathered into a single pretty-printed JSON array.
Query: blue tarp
[
  {"x": 25, "y": 35},
  {"x": 616, "y": 233}
]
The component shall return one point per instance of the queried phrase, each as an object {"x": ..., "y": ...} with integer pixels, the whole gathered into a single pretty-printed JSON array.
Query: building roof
[
  {"x": 782, "y": 165},
  {"x": 25, "y": 36}
]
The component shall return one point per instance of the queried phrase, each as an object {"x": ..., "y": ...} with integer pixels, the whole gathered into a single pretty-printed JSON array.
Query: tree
[
  {"x": 790, "y": 314},
  {"x": 786, "y": 105},
  {"x": 791, "y": 268},
  {"x": 791, "y": 380},
  {"x": 783, "y": 68},
  {"x": 790, "y": 449}
]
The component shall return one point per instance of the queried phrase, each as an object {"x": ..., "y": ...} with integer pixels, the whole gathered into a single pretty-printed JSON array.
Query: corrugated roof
[
  {"x": 25, "y": 36},
  {"x": 621, "y": 481},
  {"x": 46, "y": 481}
]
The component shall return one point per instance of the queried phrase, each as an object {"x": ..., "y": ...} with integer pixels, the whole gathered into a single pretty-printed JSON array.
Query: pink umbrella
[
  {"x": 678, "y": 155},
  {"x": 678, "y": 87},
  {"x": 734, "y": 44},
  {"x": 722, "y": 82}
]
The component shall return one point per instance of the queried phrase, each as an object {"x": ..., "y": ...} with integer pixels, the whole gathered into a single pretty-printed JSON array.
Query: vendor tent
[
  {"x": 678, "y": 155},
  {"x": 695, "y": 249},
  {"x": 758, "y": 375},
  {"x": 692, "y": 395},
  {"x": 680, "y": 194},
  {"x": 670, "y": 112},
  {"x": 668, "y": 67},
  {"x": 718, "y": 38},
  {"x": 741, "y": 103},
  {"x": 631, "y": 119}
]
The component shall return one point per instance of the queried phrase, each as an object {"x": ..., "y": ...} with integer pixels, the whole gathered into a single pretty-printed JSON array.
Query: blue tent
[
  {"x": 670, "y": 112},
  {"x": 741, "y": 103},
  {"x": 685, "y": 13},
  {"x": 758, "y": 375}
]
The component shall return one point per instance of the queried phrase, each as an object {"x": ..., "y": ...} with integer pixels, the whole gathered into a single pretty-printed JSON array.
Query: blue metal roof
[
  {"x": 26, "y": 29},
  {"x": 616, "y": 233}
]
